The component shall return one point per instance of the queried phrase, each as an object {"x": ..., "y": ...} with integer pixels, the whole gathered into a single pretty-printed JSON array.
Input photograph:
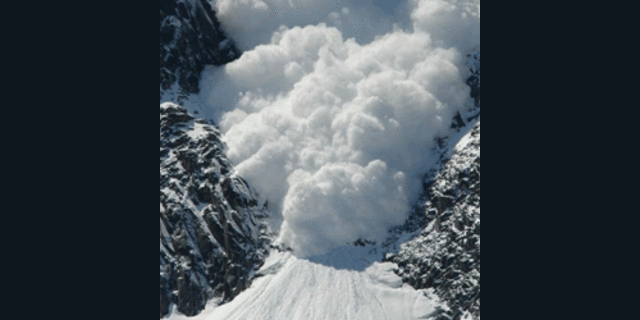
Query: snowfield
[{"x": 294, "y": 288}]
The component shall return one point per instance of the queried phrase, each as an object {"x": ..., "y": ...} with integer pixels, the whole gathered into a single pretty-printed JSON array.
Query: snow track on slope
[
  {"x": 301, "y": 289},
  {"x": 293, "y": 288}
]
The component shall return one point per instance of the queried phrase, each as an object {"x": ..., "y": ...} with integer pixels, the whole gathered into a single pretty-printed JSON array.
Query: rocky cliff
[
  {"x": 190, "y": 38},
  {"x": 212, "y": 237}
]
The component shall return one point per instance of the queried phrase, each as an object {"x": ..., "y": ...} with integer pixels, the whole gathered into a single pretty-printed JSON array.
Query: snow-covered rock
[
  {"x": 214, "y": 241},
  {"x": 446, "y": 254},
  {"x": 291, "y": 288},
  {"x": 212, "y": 238},
  {"x": 190, "y": 38}
]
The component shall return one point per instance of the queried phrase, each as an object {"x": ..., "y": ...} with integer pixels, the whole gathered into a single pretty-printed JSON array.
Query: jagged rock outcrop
[
  {"x": 190, "y": 38},
  {"x": 474, "y": 79},
  {"x": 212, "y": 235}
]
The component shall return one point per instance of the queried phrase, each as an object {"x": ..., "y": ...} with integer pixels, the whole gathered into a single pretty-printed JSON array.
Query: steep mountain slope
[
  {"x": 445, "y": 254},
  {"x": 212, "y": 237},
  {"x": 436, "y": 252},
  {"x": 293, "y": 288},
  {"x": 190, "y": 38}
]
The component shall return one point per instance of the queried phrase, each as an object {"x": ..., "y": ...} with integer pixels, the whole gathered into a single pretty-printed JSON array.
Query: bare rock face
[
  {"x": 190, "y": 38},
  {"x": 212, "y": 238}
]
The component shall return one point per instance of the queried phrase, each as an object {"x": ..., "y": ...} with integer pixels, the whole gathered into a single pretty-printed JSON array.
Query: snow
[
  {"x": 349, "y": 257},
  {"x": 252, "y": 22},
  {"x": 333, "y": 122},
  {"x": 198, "y": 131},
  {"x": 464, "y": 141},
  {"x": 294, "y": 288},
  {"x": 175, "y": 95},
  {"x": 336, "y": 135},
  {"x": 331, "y": 111},
  {"x": 174, "y": 314}
]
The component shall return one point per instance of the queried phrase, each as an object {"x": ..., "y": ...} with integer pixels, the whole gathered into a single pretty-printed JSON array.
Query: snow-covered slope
[
  {"x": 212, "y": 237},
  {"x": 291, "y": 288},
  {"x": 446, "y": 254},
  {"x": 211, "y": 234}
]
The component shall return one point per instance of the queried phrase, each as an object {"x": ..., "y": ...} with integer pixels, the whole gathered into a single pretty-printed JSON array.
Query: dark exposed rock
[
  {"x": 457, "y": 122},
  {"x": 212, "y": 237},
  {"x": 190, "y": 38},
  {"x": 474, "y": 79}
]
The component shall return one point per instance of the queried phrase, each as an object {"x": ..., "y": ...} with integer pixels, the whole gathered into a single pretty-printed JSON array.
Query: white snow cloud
[
  {"x": 335, "y": 132},
  {"x": 453, "y": 23},
  {"x": 252, "y": 22}
]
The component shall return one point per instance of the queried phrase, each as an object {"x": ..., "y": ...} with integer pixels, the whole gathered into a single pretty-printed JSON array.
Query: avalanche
[
  {"x": 331, "y": 113},
  {"x": 333, "y": 130}
]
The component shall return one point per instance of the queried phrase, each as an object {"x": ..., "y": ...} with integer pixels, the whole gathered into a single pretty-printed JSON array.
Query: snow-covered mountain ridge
[
  {"x": 212, "y": 237},
  {"x": 211, "y": 234}
]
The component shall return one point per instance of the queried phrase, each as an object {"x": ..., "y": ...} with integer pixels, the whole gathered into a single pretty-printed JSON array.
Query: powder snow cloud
[
  {"x": 335, "y": 131},
  {"x": 252, "y": 22}
]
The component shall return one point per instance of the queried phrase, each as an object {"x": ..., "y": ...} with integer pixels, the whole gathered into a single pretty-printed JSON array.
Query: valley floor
[{"x": 294, "y": 288}]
